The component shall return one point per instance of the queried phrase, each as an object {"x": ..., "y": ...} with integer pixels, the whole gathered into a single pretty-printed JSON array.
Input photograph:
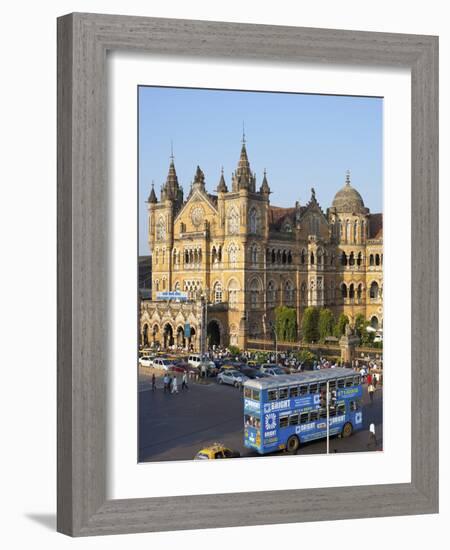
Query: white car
[
  {"x": 146, "y": 361},
  {"x": 163, "y": 364},
  {"x": 232, "y": 377},
  {"x": 272, "y": 370},
  {"x": 194, "y": 360}
]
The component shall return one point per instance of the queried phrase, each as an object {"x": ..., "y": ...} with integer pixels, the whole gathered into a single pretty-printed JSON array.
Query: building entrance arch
[
  {"x": 168, "y": 335},
  {"x": 213, "y": 333}
]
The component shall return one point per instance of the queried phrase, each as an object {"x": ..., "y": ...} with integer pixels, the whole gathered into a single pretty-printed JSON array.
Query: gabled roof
[
  {"x": 376, "y": 226},
  {"x": 278, "y": 215}
]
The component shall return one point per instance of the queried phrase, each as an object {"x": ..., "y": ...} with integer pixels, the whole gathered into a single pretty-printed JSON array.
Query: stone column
[{"x": 348, "y": 342}]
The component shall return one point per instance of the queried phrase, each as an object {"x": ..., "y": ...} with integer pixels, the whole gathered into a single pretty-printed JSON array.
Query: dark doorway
[
  {"x": 168, "y": 336},
  {"x": 213, "y": 333}
]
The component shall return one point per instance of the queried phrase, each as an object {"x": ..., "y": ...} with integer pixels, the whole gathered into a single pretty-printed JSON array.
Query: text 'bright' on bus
[{"x": 282, "y": 412}]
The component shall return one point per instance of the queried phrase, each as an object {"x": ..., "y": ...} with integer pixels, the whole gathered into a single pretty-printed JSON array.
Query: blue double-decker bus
[{"x": 282, "y": 412}]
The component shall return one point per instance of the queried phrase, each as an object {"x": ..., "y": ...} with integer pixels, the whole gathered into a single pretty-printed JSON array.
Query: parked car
[
  {"x": 195, "y": 359},
  {"x": 183, "y": 366},
  {"x": 215, "y": 451},
  {"x": 232, "y": 377},
  {"x": 253, "y": 373},
  {"x": 211, "y": 369},
  {"x": 163, "y": 364},
  {"x": 272, "y": 370},
  {"x": 146, "y": 360}
]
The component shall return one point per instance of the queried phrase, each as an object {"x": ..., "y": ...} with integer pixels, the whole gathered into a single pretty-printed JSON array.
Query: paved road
[{"x": 175, "y": 427}]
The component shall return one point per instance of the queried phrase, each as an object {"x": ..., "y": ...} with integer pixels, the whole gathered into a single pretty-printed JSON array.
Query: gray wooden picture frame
[{"x": 83, "y": 42}]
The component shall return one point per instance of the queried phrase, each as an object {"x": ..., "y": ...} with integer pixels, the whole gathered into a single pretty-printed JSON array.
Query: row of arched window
[
  {"x": 375, "y": 259},
  {"x": 348, "y": 231}
]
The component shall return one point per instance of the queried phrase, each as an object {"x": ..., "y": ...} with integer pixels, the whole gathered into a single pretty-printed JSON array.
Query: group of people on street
[{"x": 171, "y": 383}]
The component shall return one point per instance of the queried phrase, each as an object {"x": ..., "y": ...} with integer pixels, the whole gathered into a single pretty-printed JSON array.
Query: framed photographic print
[{"x": 247, "y": 271}]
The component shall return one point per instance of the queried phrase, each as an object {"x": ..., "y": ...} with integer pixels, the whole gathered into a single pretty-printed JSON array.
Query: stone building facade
[{"x": 244, "y": 257}]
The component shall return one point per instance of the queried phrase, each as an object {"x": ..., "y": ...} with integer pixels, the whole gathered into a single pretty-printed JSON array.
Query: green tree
[
  {"x": 360, "y": 324},
  {"x": 305, "y": 355},
  {"x": 234, "y": 350},
  {"x": 326, "y": 323},
  {"x": 310, "y": 324},
  {"x": 366, "y": 336},
  {"x": 343, "y": 321},
  {"x": 286, "y": 323}
]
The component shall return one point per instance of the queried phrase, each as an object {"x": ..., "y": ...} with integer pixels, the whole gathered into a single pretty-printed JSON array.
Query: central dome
[{"x": 348, "y": 199}]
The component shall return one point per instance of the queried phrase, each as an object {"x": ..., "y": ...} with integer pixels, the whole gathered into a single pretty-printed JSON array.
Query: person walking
[
  {"x": 372, "y": 443},
  {"x": 166, "y": 383},
  {"x": 174, "y": 385},
  {"x": 184, "y": 384},
  {"x": 153, "y": 382},
  {"x": 170, "y": 384},
  {"x": 371, "y": 390}
]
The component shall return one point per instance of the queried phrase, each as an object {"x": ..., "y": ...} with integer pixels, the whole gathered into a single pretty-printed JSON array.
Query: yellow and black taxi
[{"x": 215, "y": 451}]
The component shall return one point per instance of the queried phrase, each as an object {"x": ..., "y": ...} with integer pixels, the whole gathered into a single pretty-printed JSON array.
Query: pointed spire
[
  {"x": 171, "y": 189},
  {"x": 243, "y": 132},
  {"x": 243, "y": 177},
  {"x": 347, "y": 177},
  {"x": 152, "y": 197},
  {"x": 199, "y": 179},
  {"x": 222, "y": 187},
  {"x": 264, "y": 185}
]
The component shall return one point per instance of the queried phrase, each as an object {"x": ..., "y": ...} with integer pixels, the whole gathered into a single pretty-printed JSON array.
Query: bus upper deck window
[
  {"x": 322, "y": 413},
  {"x": 255, "y": 395},
  {"x": 272, "y": 395},
  {"x": 293, "y": 420},
  {"x": 303, "y": 390},
  {"x": 332, "y": 385},
  {"x": 304, "y": 418},
  {"x": 322, "y": 387},
  {"x": 332, "y": 411},
  {"x": 283, "y": 393},
  {"x": 248, "y": 393},
  {"x": 313, "y": 416},
  {"x": 357, "y": 381},
  {"x": 293, "y": 391},
  {"x": 341, "y": 409},
  {"x": 348, "y": 382},
  {"x": 313, "y": 388},
  {"x": 340, "y": 383},
  {"x": 284, "y": 421}
]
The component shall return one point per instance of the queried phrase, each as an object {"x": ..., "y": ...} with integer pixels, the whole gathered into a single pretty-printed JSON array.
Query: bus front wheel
[
  {"x": 347, "y": 430},
  {"x": 292, "y": 444}
]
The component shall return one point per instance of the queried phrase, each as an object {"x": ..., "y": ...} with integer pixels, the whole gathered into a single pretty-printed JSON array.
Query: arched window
[
  {"x": 271, "y": 293},
  {"x": 253, "y": 220},
  {"x": 351, "y": 259},
  {"x": 177, "y": 286},
  {"x": 288, "y": 292},
  {"x": 254, "y": 293},
  {"x": 233, "y": 289},
  {"x": 359, "y": 259},
  {"x": 351, "y": 292},
  {"x": 289, "y": 258},
  {"x": 303, "y": 293},
  {"x": 157, "y": 285},
  {"x": 359, "y": 292},
  {"x": 254, "y": 254},
  {"x": 233, "y": 221},
  {"x": 232, "y": 255},
  {"x": 217, "y": 293},
  {"x": 355, "y": 232},
  {"x": 164, "y": 283},
  {"x": 278, "y": 257},
  {"x": 312, "y": 258},
  {"x": 371, "y": 260},
  {"x": 363, "y": 231},
  {"x": 344, "y": 290},
  {"x": 284, "y": 257},
  {"x": 374, "y": 291},
  {"x": 347, "y": 230},
  {"x": 273, "y": 256},
  {"x": 343, "y": 258},
  {"x": 303, "y": 256},
  {"x": 319, "y": 256},
  {"x": 377, "y": 259},
  {"x": 214, "y": 255}
]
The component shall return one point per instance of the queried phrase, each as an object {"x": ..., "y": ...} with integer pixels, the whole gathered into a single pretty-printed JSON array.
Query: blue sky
[{"x": 302, "y": 141}]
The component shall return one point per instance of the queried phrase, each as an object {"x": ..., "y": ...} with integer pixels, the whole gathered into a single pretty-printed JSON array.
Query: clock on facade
[{"x": 197, "y": 215}]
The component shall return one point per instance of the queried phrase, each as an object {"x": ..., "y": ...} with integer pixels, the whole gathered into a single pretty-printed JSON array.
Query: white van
[{"x": 194, "y": 360}]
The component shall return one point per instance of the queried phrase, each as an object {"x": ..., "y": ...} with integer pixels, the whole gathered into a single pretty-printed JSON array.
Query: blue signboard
[{"x": 172, "y": 295}]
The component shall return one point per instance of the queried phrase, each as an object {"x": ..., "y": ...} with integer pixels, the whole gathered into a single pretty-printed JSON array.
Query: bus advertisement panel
[{"x": 281, "y": 412}]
